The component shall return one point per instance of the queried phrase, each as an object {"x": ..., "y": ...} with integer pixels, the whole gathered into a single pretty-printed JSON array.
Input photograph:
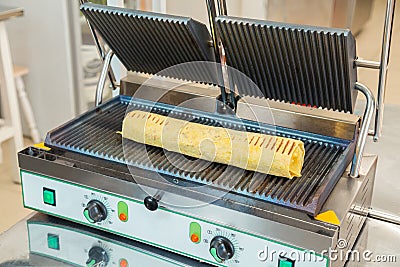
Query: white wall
[{"x": 41, "y": 41}]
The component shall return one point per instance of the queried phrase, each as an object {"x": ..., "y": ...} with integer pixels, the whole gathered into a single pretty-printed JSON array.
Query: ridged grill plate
[
  {"x": 150, "y": 43},
  {"x": 95, "y": 134},
  {"x": 293, "y": 63}
]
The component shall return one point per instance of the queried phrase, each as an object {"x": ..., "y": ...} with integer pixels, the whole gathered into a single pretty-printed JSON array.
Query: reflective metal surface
[
  {"x": 222, "y": 7},
  {"x": 384, "y": 216},
  {"x": 159, "y": 90},
  {"x": 44, "y": 241},
  {"x": 376, "y": 236},
  {"x": 102, "y": 79},
  {"x": 381, "y": 239},
  {"x": 318, "y": 121},
  {"x": 363, "y": 63},
  {"x": 212, "y": 14},
  {"x": 387, "y": 187}
]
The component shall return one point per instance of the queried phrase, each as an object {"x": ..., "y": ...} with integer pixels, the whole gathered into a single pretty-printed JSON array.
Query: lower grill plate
[{"x": 95, "y": 134}]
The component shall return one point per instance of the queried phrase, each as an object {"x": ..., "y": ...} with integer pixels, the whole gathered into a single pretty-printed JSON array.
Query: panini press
[{"x": 306, "y": 78}]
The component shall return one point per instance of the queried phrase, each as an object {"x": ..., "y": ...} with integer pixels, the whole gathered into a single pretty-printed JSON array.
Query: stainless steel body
[
  {"x": 350, "y": 201},
  {"x": 77, "y": 176}
]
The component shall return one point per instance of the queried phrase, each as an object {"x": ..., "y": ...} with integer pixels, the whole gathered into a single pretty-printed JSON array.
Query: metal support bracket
[
  {"x": 366, "y": 121},
  {"x": 103, "y": 77},
  {"x": 228, "y": 97},
  {"x": 212, "y": 14}
]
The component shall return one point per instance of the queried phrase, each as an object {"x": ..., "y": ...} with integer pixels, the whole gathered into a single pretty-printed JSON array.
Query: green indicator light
[
  {"x": 49, "y": 196},
  {"x": 91, "y": 263},
  {"x": 213, "y": 252},
  {"x": 86, "y": 214},
  {"x": 285, "y": 263},
  {"x": 53, "y": 241},
  {"x": 195, "y": 232},
  {"x": 123, "y": 211}
]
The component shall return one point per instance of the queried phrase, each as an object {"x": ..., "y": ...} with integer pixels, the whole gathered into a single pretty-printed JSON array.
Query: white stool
[
  {"x": 10, "y": 131},
  {"x": 19, "y": 72}
]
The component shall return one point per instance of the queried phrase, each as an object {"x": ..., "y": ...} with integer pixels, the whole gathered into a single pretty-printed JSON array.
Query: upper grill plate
[
  {"x": 149, "y": 42},
  {"x": 292, "y": 63}
]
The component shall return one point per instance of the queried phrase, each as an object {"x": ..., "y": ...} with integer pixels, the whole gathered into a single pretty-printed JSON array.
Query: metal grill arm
[{"x": 366, "y": 121}]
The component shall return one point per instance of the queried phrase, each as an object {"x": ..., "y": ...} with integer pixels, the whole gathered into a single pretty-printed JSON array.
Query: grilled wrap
[{"x": 250, "y": 151}]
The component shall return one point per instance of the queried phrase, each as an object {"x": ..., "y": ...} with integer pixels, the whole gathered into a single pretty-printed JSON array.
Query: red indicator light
[
  {"x": 123, "y": 263},
  {"x": 123, "y": 217},
  {"x": 194, "y": 238}
]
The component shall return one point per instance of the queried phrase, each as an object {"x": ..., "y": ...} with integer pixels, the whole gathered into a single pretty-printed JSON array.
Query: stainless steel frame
[
  {"x": 386, "y": 42},
  {"x": 382, "y": 65},
  {"x": 223, "y": 10},
  {"x": 384, "y": 216}
]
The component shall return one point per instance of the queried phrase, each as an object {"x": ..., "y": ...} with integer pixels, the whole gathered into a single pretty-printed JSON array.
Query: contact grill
[
  {"x": 95, "y": 133},
  {"x": 295, "y": 81}
]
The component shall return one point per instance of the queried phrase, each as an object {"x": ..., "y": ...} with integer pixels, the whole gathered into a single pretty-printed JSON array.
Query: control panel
[{"x": 172, "y": 230}]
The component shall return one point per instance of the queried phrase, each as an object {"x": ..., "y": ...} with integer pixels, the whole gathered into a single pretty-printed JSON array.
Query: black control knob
[
  {"x": 95, "y": 211},
  {"x": 97, "y": 257},
  {"x": 151, "y": 203},
  {"x": 222, "y": 249}
]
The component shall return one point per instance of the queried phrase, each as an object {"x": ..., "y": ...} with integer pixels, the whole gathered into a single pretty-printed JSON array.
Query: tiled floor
[{"x": 369, "y": 42}]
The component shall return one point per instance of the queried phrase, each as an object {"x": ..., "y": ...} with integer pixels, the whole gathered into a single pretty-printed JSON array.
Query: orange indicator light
[
  {"x": 123, "y": 217},
  {"x": 194, "y": 238},
  {"x": 123, "y": 263}
]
